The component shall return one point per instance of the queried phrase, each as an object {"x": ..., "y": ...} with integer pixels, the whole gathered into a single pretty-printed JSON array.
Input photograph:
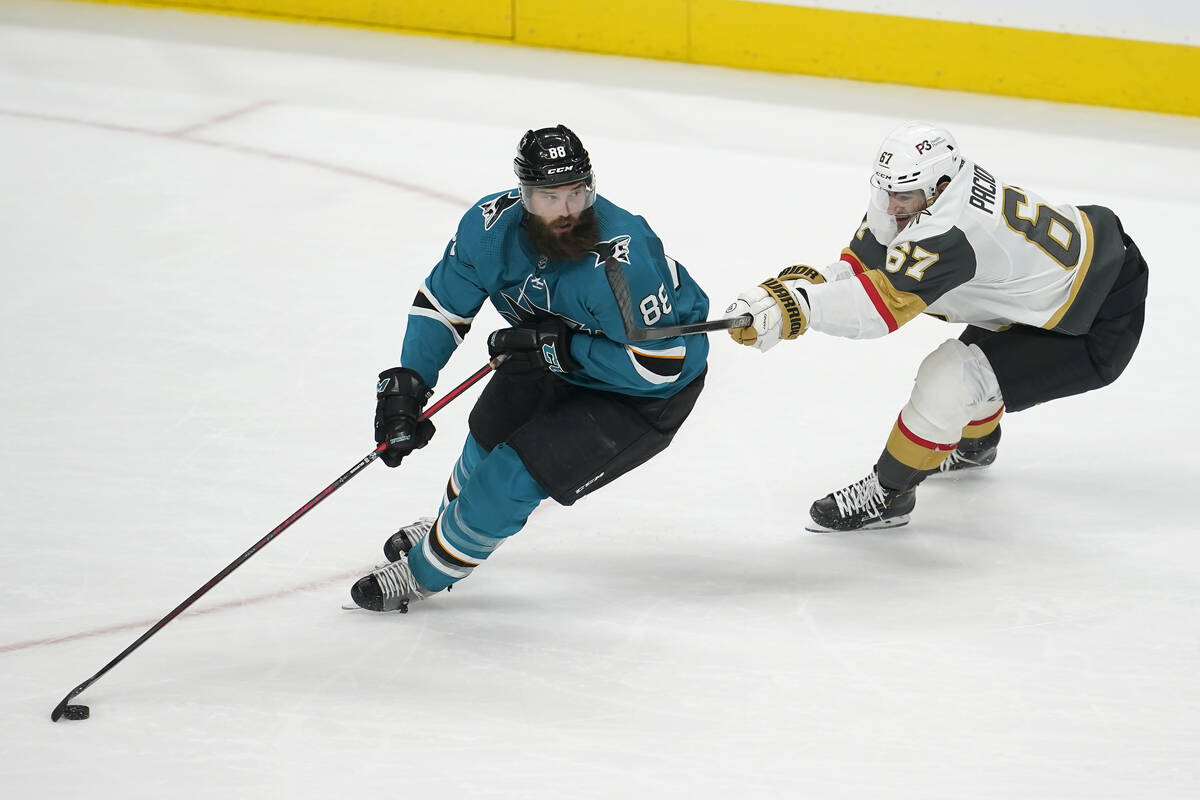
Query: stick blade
[{"x": 61, "y": 708}]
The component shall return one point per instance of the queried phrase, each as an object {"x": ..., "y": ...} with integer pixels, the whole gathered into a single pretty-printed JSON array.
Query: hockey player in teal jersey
[{"x": 574, "y": 404}]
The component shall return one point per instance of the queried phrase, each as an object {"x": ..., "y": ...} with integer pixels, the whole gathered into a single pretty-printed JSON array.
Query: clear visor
[
  {"x": 553, "y": 202},
  {"x": 897, "y": 204}
]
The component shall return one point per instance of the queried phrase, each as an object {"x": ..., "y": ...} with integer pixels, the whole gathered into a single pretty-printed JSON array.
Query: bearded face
[{"x": 565, "y": 237}]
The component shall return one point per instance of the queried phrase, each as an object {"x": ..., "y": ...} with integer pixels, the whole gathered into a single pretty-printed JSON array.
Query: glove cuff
[
  {"x": 795, "y": 321},
  {"x": 403, "y": 382},
  {"x": 555, "y": 340},
  {"x": 801, "y": 272}
]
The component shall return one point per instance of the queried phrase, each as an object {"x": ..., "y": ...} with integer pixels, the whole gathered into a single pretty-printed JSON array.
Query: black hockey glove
[
  {"x": 399, "y": 397},
  {"x": 541, "y": 345}
]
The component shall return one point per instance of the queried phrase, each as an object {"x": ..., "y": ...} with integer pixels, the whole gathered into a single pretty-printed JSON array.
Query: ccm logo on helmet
[{"x": 557, "y": 170}]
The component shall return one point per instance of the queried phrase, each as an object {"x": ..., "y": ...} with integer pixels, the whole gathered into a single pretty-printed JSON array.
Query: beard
[{"x": 573, "y": 244}]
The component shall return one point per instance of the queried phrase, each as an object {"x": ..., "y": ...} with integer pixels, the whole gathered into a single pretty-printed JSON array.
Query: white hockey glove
[{"x": 779, "y": 307}]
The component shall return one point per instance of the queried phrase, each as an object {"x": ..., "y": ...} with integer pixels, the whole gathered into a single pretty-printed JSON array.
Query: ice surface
[{"x": 211, "y": 229}]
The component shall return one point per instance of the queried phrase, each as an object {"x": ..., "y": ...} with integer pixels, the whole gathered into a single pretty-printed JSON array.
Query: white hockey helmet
[{"x": 915, "y": 156}]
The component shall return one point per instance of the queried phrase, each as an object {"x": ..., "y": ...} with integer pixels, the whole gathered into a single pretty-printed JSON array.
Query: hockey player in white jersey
[{"x": 1053, "y": 296}]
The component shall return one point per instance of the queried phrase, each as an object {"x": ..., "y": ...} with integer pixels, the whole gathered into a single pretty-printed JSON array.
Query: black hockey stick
[
  {"x": 636, "y": 333},
  {"x": 671, "y": 331},
  {"x": 82, "y": 712}
]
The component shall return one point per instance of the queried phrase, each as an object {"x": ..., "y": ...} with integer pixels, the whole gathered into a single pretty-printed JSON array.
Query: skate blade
[
  {"x": 352, "y": 607},
  {"x": 895, "y": 522},
  {"x": 959, "y": 472}
]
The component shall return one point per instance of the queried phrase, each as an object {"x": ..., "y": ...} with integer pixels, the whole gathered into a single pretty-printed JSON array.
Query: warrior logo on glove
[{"x": 779, "y": 307}]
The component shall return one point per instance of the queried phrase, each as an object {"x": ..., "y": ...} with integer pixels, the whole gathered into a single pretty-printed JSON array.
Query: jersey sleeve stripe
[
  {"x": 441, "y": 309},
  {"x": 455, "y": 331},
  {"x": 673, "y": 268},
  {"x": 880, "y": 306},
  {"x": 901, "y": 306},
  {"x": 855, "y": 263},
  {"x": 426, "y": 305},
  {"x": 667, "y": 352},
  {"x": 657, "y": 366}
]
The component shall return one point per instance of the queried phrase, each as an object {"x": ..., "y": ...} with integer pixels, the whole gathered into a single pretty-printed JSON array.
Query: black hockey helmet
[{"x": 551, "y": 157}]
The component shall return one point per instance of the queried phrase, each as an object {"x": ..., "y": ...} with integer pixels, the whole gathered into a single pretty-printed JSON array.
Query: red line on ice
[
  {"x": 127, "y": 626},
  {"x": 181, "y": 136}
]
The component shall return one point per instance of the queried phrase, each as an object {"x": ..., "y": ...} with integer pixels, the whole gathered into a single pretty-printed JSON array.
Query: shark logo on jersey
[
  {"x": 533, "y": 303},
  {"x": 617, "y": 247},
  {"x": 493, "y": 208}
]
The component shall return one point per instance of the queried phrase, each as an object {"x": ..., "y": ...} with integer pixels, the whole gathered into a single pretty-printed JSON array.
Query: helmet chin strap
[
  {"x": 930, "y": 199},
  {"x": 934, "y": 192}
]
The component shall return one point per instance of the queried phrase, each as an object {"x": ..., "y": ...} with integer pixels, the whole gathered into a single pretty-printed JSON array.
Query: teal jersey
[{"x": 491, "y": 257}]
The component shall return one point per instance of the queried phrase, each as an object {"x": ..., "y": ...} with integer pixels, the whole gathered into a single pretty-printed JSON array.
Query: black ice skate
[
  {"x": 863, "y": 505},
  {"x": 405, "y": 539},
  {"x": 972, "y": 454},
  {"x": 389, "y": 588}
]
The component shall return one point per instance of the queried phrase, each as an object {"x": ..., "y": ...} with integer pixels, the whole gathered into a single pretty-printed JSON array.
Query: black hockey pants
[{"x": 571, "y": 439}]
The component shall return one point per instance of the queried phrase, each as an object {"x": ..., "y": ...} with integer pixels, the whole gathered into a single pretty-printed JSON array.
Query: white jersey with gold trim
[{"x": 985, "y": 253}]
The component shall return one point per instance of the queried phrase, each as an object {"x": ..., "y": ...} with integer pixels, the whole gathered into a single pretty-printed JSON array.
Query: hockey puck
[{"x": 77, "y": 712}]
